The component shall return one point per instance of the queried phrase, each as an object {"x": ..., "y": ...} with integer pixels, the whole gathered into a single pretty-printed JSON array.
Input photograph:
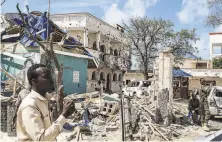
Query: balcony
[
  {"x": 116, "y": 62},
  {"x": 111, "y": 61}
]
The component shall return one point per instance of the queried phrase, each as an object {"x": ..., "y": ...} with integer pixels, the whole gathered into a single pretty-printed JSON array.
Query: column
[
  {"x": 98, "y": 38},
  {"x": 86, "y": 38},
  {"x": 108, "y": 46}
]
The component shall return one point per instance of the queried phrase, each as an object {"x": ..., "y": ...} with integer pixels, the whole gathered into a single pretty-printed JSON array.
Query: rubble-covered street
[{"x": 103, "y": 122}]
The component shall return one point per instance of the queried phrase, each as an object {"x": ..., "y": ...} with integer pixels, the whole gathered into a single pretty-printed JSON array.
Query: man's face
[{"x": 44, "y": 80}]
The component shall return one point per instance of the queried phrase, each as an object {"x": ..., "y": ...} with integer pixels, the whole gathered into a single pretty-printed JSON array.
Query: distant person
[
  {"x": 193, "y": 107},
  {"x": 33, "y": 116},
  {"x": 204, "y": 107}
]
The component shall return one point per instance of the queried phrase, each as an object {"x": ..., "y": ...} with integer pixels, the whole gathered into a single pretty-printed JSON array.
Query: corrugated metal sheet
[{"x": 180, "y": 73}]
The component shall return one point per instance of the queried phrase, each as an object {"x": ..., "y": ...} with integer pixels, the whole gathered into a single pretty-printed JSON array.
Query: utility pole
[{"x": 122, "y": 114}]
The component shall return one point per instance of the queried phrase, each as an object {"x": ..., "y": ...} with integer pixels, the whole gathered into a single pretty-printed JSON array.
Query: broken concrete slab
[
  {"x": 111, "y": 128},
  {"x": 111, "y": 98},
  {"x": 98, "y": 122}
]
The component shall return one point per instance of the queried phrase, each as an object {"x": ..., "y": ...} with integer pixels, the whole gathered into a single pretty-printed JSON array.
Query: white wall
[
  {"x": 191, "y": 63},
  {"x": 215, "y": 38},
  {"x": 66, "y": 21},
  {"x": 91, "y": 84}
]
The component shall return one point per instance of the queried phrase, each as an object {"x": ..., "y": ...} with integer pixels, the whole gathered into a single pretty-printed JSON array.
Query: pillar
[
  {"x": 86, "y": 38},
  {"x": 166, "y": 85},
  {"x": 108, "y": 45},
  {"x": 98, "y": 38}
]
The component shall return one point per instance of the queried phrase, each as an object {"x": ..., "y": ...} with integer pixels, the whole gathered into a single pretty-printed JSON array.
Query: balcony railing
[{"x": 116, "y": 62}]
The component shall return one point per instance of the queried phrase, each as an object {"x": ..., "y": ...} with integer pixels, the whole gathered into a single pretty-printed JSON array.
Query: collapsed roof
[{"x": 37, "y": 25}]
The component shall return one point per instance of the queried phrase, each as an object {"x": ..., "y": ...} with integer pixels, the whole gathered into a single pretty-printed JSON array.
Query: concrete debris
[
  {"x": 104, "y": 122},
  {"x": 98, "y": 122},
  {"x": 109, "y": 108},
  {"x": 111, "y": 128}
]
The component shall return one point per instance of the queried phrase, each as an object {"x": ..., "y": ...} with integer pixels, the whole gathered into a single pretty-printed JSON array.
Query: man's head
[
  {"x": 194, "y": 96},
  {"x": 40, "y": 79}
]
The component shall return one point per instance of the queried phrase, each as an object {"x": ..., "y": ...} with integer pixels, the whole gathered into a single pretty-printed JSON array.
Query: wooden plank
[{"x": 2, "y": 70}]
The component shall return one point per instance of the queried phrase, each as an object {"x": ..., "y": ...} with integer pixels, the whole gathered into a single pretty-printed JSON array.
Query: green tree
[
  {"x": 149, "y": 36},
  {"x": 217, "y": 63},
  {"x": 215, "y": 16}
]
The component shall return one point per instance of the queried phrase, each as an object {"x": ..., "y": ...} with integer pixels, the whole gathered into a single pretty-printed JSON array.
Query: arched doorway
[
  {"x": 115, "y": 52},
  {"x": 94, "y": 74},
  {"x": 108, "y": 83},
  {"x": 94, "y": 46},
  {"x": 120, "y": 77},
  {"x": 102, "y": 76},
  {"x": 102, "y": 48},
  {"x": 114, "y": 77}
]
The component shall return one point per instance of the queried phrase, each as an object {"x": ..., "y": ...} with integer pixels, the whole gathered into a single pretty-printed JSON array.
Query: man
[
  {"x": 193, "y": 108},
  {"x": 21, "y": 95},
  {"x": 33, "y": 116},
  {"x": 204, "y": 108}
]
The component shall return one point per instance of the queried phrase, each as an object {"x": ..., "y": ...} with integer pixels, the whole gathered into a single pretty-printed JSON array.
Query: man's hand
[{"x": 68, "y": 109}]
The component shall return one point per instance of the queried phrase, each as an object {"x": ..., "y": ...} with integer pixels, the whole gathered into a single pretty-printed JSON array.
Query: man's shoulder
[
  {"x": 27, "y": 101},
  {"x": 23, "y": 93}
]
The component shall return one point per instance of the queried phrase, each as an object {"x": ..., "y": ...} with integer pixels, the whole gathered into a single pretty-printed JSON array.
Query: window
[
  {"x": 111, "y": 51},
  {"x": 201, "y": 65},
  {"x": 102, "y": 48},
  {"x": 101, "y": 76},
  {"x": 120, "y": 77},
  {"x": 114, "y": 77},
  {"x": 76, "y": 76},
  {"x": 103, "y": 57},
  {"x": 217, "y": 49},
  {"x": 94, "y": 75},
  {"x": 94, "y": 46},
  {"x": 115, "y": 52}
]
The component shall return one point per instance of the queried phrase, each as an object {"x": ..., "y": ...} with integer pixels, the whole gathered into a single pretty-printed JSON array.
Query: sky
[{"x": 185, "y": 14}]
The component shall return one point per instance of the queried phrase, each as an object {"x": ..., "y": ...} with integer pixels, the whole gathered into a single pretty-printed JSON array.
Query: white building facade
[
  {"x": 108, "y": 44},
  {"x": 215, "y": 44}
]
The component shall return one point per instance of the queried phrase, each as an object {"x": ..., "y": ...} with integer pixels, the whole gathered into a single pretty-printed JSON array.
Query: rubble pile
[
  {"x": 100, "y": 122},
  {"x": 139, "y": 121},
  {"x": 144, "y": 121}
]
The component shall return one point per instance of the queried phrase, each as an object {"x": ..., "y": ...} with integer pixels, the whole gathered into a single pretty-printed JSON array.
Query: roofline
[
  {"x": 72, "y": 54},
  {"x": 215, "y": 33},
  {"x": 86, "y": 13}
]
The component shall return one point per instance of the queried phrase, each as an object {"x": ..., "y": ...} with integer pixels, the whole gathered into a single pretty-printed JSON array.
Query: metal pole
[
  {"x": 122, "y": 115},
  {"x": 48, "y": 24}
]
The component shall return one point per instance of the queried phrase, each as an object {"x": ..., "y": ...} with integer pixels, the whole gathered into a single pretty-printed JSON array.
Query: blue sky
[{"x": 185, "y": 14}]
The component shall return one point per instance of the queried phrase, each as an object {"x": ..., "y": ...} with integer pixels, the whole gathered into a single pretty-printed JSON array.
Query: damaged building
[
  {"x": 108, "y": 44},
  {"x": 18, "y": 51}
]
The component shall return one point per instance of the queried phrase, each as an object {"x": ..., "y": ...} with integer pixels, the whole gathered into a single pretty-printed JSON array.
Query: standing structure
[
  {"x": 108, "y": 45},
  {"x": 215, "y": 45}
]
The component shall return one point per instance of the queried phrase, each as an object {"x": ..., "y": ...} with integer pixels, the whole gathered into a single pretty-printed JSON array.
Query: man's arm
[{"x": 34, "y": 125}]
